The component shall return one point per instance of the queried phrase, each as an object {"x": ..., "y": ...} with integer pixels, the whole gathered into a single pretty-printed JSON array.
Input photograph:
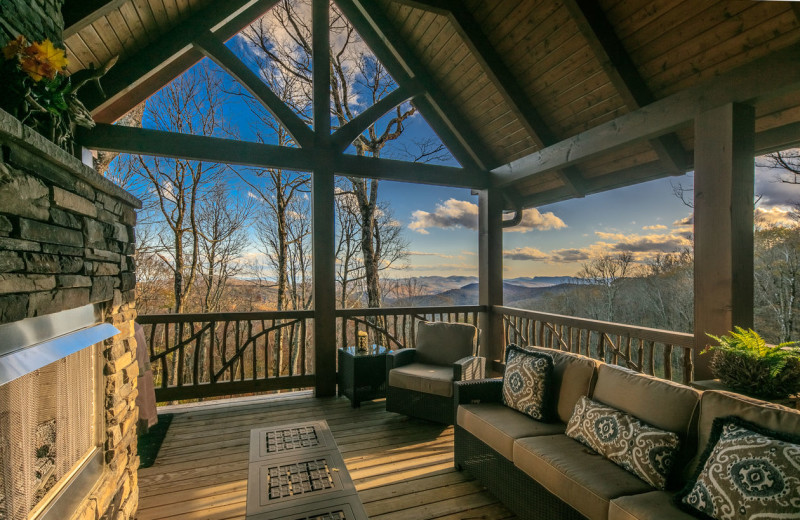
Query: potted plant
[{"x": 746, "y": 363}]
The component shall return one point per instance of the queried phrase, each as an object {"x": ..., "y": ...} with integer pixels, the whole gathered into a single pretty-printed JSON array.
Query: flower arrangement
[
  {"x": 37, "y": 91},
  {"x": 746, "y": 363}
]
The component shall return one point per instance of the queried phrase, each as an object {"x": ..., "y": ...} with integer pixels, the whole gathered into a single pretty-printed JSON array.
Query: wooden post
[
  {"x": 490, "y": 272},
  {"x": 322, "y": 193},
  {"x": 723, "y": 224}
]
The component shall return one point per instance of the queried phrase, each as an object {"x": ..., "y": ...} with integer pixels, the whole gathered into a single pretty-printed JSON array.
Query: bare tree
[
  {"x": 777, "y": 277},
  {"x": 604, "y": 275},
  {"x": 222, "y": 222},
  {"x": 282, "y": 40}
]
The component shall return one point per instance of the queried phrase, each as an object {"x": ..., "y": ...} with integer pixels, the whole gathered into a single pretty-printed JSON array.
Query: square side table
[{"x": 362, "y": 376}]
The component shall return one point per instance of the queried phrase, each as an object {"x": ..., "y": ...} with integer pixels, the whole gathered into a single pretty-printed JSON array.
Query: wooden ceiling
[{"x": 523, "y": 75}]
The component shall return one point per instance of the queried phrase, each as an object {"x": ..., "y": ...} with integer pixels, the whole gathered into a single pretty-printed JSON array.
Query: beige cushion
[
  {"x": 430, "y": 379},
  {"x": 656, "y": 505},
  {"x": 499, "y": 426},
  {"x": 715, "y": 404},
  {"x": 440, "y": 343},
  {"x": 662, "y": 403},
  {"x": 575, "y": 474},
  {"x": 573, "y": 376}
]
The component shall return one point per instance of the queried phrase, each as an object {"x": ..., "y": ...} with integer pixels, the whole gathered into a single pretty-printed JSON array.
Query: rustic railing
[
  {"x": 656, "y": 352},
  {"x": 206, "y": 355},
  {"x": 396, "y": 328}
]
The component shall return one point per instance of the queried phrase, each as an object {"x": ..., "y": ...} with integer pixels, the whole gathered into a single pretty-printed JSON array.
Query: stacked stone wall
[
  {"x": 67, "y": 240},
  {"x": 34, "y": 19}
]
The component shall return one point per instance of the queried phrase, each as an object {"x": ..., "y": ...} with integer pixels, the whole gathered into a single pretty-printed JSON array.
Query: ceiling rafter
[
  {"x": 620, "y": 69},
  {"x": 757, "y": 80},
  {"x": 213, "y": 47},
  {"x": 81, "y": 13},
  {"x": 161, "y": 143},
  {"x": 388, "y": 45},
  {"x": 131, "y": 82},
  {"x": 345, "y": 135},
  {"x": 509, "y": 88}
]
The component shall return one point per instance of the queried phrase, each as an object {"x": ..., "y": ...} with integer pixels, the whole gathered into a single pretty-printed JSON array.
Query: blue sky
[{"x": 440, "y": 223}]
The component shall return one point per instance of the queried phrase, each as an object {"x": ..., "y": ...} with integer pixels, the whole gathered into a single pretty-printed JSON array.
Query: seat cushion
[
  {"x": 656, "y": 505},
  {"x": 527, "y": 382},
  {"x": 440, "y": 343},
  {"x": 573, "y": 376},
  {"x": 575, "y": 474},
  {"x": 499, "y": 426},
  {"x": 429, "y": 379}
]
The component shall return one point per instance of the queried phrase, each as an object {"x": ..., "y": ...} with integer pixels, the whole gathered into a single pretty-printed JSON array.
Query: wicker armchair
[{"x": 420, "y": 380}]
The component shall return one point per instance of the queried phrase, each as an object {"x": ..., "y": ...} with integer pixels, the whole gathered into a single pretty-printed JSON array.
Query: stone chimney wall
[{"x": 67, "y": 240}]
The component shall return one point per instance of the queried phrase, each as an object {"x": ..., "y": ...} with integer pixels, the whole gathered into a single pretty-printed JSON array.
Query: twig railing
[
  {"x": 205, "y": 355},
  {"x": 662, "y": 353},
  {"x": 396, "y": 328}
]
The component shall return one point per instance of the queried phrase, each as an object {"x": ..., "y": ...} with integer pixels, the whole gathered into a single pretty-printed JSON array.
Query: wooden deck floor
[{"x": 402, "y": 468}]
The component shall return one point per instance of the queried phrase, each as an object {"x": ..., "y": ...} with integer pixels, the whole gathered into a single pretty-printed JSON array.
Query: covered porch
[{"x": 538, "y": 101}]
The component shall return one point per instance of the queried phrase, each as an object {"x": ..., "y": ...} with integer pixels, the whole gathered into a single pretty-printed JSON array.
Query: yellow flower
[
  {"x": 14, "y": 47},
  {"x": 43, "y": 59}
]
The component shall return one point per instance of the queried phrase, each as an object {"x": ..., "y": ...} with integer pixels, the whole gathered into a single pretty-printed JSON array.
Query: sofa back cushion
[
  {"x": 440, "y": 343},
  {"x": 573, "y": 376},
  {"x": 664, "y": 404},
  {"x": 714, "y": 404}
]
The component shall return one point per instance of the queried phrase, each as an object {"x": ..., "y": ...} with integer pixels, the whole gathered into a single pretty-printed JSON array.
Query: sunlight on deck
[{"x": 402, "y": 468}]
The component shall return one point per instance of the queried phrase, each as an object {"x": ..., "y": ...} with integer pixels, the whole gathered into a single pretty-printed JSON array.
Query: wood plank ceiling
[{"x": 566, "y": 67}]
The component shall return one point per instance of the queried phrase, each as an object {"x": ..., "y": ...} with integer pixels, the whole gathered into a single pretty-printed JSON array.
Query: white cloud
[
  {"x": 775, "y": 216},
  {"x": 657, "y": 227},
  {"x": 455, "y": 213},
  {"x": 532, "y": 219}
]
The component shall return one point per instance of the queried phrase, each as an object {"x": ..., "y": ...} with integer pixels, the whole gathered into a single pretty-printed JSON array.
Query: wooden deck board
[{"x": 402, "y": 468}]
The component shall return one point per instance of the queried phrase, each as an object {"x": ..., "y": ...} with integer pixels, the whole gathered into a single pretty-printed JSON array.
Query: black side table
[{"x": 362, "y": 376}]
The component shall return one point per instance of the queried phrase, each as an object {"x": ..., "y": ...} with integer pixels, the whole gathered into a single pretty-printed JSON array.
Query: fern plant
[{"x": 746, "y": 363}]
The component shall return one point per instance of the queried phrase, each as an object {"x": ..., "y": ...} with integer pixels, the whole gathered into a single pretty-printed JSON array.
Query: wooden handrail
[
  {"x": 682, "y": 339},
  {"x": 662, "y": 353}
]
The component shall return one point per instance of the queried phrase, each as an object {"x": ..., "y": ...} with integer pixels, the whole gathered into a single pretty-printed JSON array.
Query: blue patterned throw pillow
[
  {"x": 745, "y": 472},
  {"x": 644, "y": 450},
  {"x": 527, "y": 382}
]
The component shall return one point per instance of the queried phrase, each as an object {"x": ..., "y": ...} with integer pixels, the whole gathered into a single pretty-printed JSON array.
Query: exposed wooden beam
[
  {"x": 509, "y": 88},
  {"x": 346, "y": 134},
  {"x": 133, "y": 81},
  {"x": 213, "y": 47},
  {"x": 762, "y": 78},
  {"x": 443, "y": 116},
  {"x": 81, "y": 13},
  {"x": 323, "y": 272},
  {"x": 778, "y": 139},
  {"x": 404, "y": 171},
  {"x": 620, "y": 69},
  {"x": 321, "y": 70},
  {"x": 125, "y": 139},
  {"x": 142, "y": 141}
]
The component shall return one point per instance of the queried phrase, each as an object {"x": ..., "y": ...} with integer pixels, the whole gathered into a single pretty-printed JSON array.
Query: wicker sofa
[{"x": 539, "y": 472}]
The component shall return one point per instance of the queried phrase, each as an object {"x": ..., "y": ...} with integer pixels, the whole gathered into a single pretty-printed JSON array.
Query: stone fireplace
[{"x": 66, "y": 246}]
